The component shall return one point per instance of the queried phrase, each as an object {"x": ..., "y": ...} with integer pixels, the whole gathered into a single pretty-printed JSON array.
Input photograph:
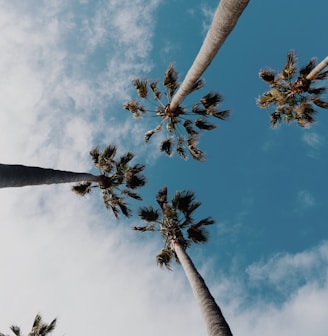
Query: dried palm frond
[
  {"x": 161, "y": 197},
  {"x": 188, "y": 126},
  {"x": 156, "y": 92},
  {"x": 267, "y": 75},
  {"x": 166, "y": 146},
  {"x": 180, "y": 149},
  {"x": 164, "y": 258},
  {"x": 195, "y": 152},
  {"x": 203, "y": 124},
  {"x": 211, "y": 99},
  {"x": 196, "y": 86},
  {"x": 308, "y": 68},
  {"x": 135, "y": 108},
  {"x": 171, "y": 80},
  {"x": 149, "y": 134},
  {"x": 82, "y": 188},
  {"x": 148, "y": 214},
  {"x": 290, "y": 66},
  {"x": 141, "y": 86},
  {"x": 223, "y": 115},
  {"x": 197, "y": 235}
]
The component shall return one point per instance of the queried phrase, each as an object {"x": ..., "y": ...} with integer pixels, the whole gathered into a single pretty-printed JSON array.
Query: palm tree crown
[
  {"x": 119, "y": 179},
  {"x": 39, "y": 328},
  {"x": 292, "y": 93},
  {"x": 175, "y": 222},
  {"x": 182, "y": 125}
]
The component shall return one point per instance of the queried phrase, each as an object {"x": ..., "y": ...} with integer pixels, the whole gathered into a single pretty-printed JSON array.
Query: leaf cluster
[
  {"x": 175, "y": 222},
  {"x": 292, "y": 93},
  {"x": 182, "y": 126},
  {"x": 118, "y": 181},
  {"x": 39, "y": 328}
]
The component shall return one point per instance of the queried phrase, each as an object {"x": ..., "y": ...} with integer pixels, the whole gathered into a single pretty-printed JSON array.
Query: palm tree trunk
[
  {"x": 214, "y": 319},
  {"x": 317, "y": 69},
  {"x": 224, "y": 20},
  {"x": 20, "y": 176}
]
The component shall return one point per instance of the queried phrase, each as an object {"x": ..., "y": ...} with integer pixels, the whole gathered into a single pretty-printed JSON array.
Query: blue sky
[{"x": 65, "y": 73}]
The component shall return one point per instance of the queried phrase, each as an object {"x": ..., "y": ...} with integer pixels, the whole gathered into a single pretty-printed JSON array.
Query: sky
[{"x": 66, "y": 69}]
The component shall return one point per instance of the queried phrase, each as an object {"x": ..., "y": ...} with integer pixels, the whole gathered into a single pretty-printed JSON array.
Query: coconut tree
[
  {"x": 39, "y": 328},
  {"x": 181, "y": 126},
  {"x": 174, "y": 220},
  {"x": 224, "y": 20},
  {"x": 117, "y": 180},
  {"x": 292, "y": 92}
]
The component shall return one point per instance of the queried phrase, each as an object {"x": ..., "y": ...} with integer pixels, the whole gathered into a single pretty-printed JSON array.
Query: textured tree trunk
[
  {"x": 20, "y": 176},
  {"x": 224, "y": 20},
  {"x": 317, "y": 69},
  {"x": 214, "y": 319}
]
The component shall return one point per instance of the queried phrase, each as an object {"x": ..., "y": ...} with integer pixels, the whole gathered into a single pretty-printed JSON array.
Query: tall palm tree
[
  {"x": 174, "y": 220},
  {"x": 224, "y": 20},
  {"x": 292, "y": 92},
  {"x": 182, "y": 125},
  {"x": 114, "y": 174},
  {"x": 39, "y": 328}
]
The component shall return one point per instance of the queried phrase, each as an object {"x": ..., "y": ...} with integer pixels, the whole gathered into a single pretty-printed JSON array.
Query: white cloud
[{"x": 305, "y": 199}]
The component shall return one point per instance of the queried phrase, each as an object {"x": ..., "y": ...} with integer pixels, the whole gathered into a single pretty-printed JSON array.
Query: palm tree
[
  {"x": 114, "y": 174},
  {"x": 182, "y": 125},
  {"x": 39, "y": 328},
  {"x": 174, "y": 220},
  {"x": 292, "y": 92},
  {"x": 224, "y": 20}
]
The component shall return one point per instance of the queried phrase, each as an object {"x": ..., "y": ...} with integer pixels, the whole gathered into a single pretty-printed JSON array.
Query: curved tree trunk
[
  {"x": 214, "y": 319},
  {"x": 317, "y": 69},
  {"x": 224, "y": 20},
  {"x": 20, "y": 176}
]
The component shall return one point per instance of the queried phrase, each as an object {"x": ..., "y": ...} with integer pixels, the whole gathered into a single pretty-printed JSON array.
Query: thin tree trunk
[
  {"x": 317, "y": 69},
  {"x": 20, "y": 176},
  {"x": 224, "y": 20},
  {"x": 214, "y": 319}
]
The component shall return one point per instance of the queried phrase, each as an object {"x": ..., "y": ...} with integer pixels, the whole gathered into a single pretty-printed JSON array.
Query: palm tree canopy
[
  {"x": 39, "y": 328},
  {"x": 224, "y": 20},
  {"x": 175, "y": 221},
  {"x": 292, "y": 92},
  {"x": 182, "y": 126},
  {"x": 118, "y": 180}
]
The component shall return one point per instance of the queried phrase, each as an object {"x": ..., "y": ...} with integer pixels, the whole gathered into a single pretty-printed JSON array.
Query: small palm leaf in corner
[
  {"x": 175, "y": 221},
  {"x": 118, "y": 181},
  {"x": 292, "y": 93},
  {"x": 181, "y": 126},
  {"x": 39, "y": 328}
]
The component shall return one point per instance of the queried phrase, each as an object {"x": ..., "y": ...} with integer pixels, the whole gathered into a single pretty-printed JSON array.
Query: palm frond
[
  {"x": 134, "y": 181},
  {"x": 150, "y": 133},
  {"x": 126, "y": 211},
  {"x": 125, "y": 159},
  {"x": 308, "y": 68},
  {"x": 156, "y": 92},
  {"x": 223, "y": 115},
  {"x": 131, "y": 194},
  {"x": 135, "y": 107},
  {"x": 317, "y": 91},
  {"x": 180, "y": 150},
  {"x": 317, "y": 101},
  {"x": 290, "y": 66},
  {"x": 197, "y": 234},
  {"x": 204, "y": 125},
  {"x": 148, "y": 214},
  {"x": 16, "y": 330},
  {"x": 161, "y": 197},
  {"x": 198, "y": 109},
  {"x": 195, "y": 152},
  {"x": 150, "y": 227},
  {"x": 268, "y": 76},
  {"x": 188, "y": 127},
  {"x": 47, "y": 328},
  {"x": 166, "y": 146},
  {"x": 94, "y": 153},
  {"x": 206, "y": 221},
  {"x": 164, "y": 258},
  {"x": 211, "y": 99},
  {"x": 171, "y": 80},
  {"x": 82, "y": 188},
  {"x": 141, "y": 87}
]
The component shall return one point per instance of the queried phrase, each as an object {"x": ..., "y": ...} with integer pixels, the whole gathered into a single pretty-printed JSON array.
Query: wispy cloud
[{"x": 314, "y": 142}]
